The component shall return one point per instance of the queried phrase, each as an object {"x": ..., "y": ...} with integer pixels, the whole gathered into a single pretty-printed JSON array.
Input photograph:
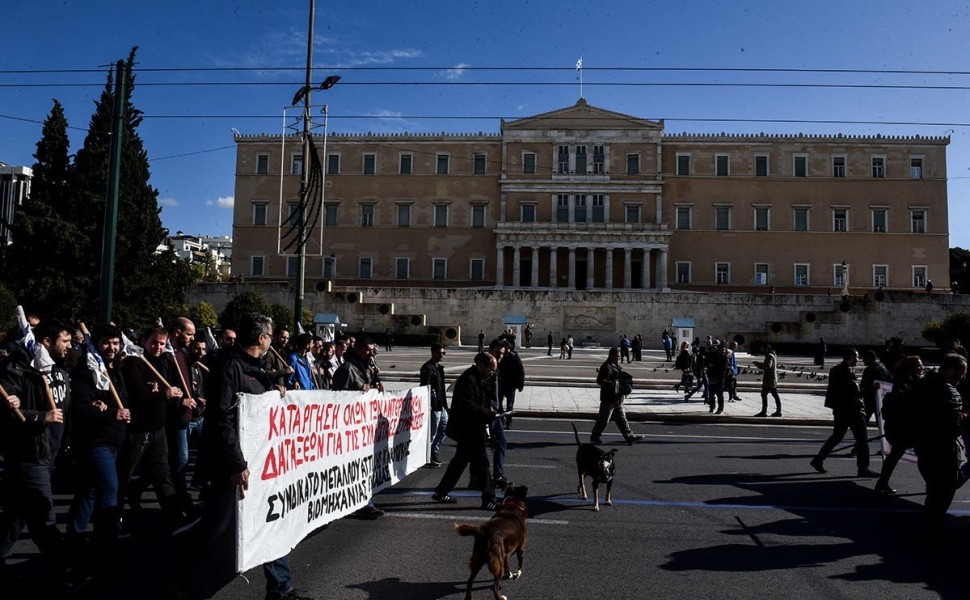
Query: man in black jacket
[
  {"x": 511, "y": 379},
  {"x": 433, "y": 374},
  {"x": 30, "y": 446},
  {"x": 237, "y": 370},
  {"x": 938, "y": 425},
  {"x": 471, "y": 413},
  {"x": 99, "y": 428},
  {"x": 844, "y": 397}
]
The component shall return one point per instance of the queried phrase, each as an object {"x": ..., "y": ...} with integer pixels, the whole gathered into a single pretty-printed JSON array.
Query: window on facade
[
  {"x": 579, "y": 210},
  {"x": 406, "y": 164},
  {"x": 632, "y": 214},
  {"x": 919, "y": 277},
  {"x": 722, "y": 165},
  {"x": 880, "y": 275},
  {"x": 333, "y": 164},
  {"x": 722, "y": 217},
  {"x": 840, "y": 219},
  {"x": 439, "y": 268},
  {"x": 801, "y": 274},
  {"x": 722, "y": 273},
  {"x": 633, "y": 164},
  {"x": 683, "y": 165},
  {"x": 259, "y": 213},
  {"x": 367, "y": 215},
  {"x": 760, "y": 165},
  {"x": 330, "y": 215},
  {"x": 599, "y": 208},
  {"x": 683, "y": 217},
  {"x": 761, "y": 218},
  {"x": 292, "y": 213},
  {"x": 599, "y": 158},
  {"x": 292, "y": 266},
  {"x": 880, "y": 220},
  {"x": 256, "y": 266},
  {"x": 683, "y": 272},
  {"x": 370, "y": 164},
  {"x": 403, "y": 215},
  {"x": 476, "y": 269},
  {"x": 838, "y": 166},
  {"x": 838, "y": 275},
  {"x": 478, "y": 215},
  {"x": 563, "y": 160},
  {"x": 801, "y": 219},
  {"x": 580, "y": 160},
  {"x": 562, "y": 208},
  {"x": 800, "y": 166},
  {"x": 296, "y": 164},
  {"x": 402, "y": 268},
  {"x": 918, "y": 221},
  {"x": 528, "y": 213},
  {"x": 442, "y": 164},
  {"x": 329, "y": 267},
  {"x": 878, "y": 167},
  {"x": 441, "y": 215},
  {"x": 479, "y": 164},
  {"x": 915, "y": 168},
  {"x": 365, "y": 268},
  {"x": 262, "y": 164},
  {"x": 529, "y": 162},
  {"x": 761, "y": 273}
]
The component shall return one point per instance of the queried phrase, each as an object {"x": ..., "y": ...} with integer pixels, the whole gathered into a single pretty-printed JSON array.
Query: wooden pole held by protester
[
  {"x": 16, "y": 411},
  {"x": 48, "y": 392},
  {"x": 111, "y": 385},
  {"x": 155, "y": 372}
]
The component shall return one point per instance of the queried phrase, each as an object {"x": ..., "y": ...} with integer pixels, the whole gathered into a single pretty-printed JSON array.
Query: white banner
[{"x": 317, "y": 456}]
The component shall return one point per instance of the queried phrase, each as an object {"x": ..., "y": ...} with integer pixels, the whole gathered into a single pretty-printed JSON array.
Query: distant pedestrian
[
  {"x": 562, "y": 349},
  {"x": 481, "y": 341},
  {"x": 820, "y": 350},
  {"x": 549, "y": 342},
  {"x": 625, "y": 348},
  {"x": 769, "y": 382},
  {"x": 388, "y": 338},
  {"x": 668, "y": 344},
  {"x": 569, "y": 347}
]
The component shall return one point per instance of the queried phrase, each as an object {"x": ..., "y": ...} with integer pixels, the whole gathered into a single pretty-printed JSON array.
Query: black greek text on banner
[{"x": 317, "y": 456}]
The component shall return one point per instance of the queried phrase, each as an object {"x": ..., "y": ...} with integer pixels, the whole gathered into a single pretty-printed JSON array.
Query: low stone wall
[{"x": 602, "y": 316}]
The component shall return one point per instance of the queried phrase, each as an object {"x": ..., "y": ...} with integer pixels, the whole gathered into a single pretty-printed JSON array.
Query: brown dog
[{"x": 497, "y": 538}]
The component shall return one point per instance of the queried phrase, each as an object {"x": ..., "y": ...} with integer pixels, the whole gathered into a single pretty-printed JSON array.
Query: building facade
[
  {"x": 14, "y": 189},
  {"x": 588, "y": 199}
]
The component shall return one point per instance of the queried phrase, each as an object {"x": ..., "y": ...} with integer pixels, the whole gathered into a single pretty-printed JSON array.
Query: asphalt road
[{"x": 700, "y": 511}]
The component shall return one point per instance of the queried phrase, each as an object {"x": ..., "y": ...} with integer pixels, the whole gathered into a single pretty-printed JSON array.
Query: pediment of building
[{"x": 581, "y": 116}]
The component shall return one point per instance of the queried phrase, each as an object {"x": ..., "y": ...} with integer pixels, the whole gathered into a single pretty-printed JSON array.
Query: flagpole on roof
[{"x": 579, "y": 67}]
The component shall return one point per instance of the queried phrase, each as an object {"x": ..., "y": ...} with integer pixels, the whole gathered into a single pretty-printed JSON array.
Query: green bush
[
  {"x": 203, "y": 314},
  {"x": 241, "y": 304}
]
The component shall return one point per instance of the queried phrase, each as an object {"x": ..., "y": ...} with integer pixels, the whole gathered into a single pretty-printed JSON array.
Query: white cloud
[
  {"x": 456, "y": 72},
  {"x": 223, "y": 202},
  {"x": 168, "y": 202}
]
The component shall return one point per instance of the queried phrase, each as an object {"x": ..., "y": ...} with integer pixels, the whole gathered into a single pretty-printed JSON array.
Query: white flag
[{"x": 579, "y": 64}]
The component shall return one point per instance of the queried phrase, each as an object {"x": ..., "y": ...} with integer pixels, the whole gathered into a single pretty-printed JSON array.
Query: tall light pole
[{"x": 310, "y": 164}]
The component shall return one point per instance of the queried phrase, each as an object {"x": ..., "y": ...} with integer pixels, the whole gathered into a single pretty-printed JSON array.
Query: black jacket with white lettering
[{"x": 33, "y": 439}]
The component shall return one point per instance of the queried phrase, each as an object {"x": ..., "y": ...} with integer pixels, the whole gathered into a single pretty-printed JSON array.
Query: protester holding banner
[
  {"x": 302, "y": 375},
  {"x": 99, "y": 426},
  {"x": 238, "y": 370},
  {"x": 471, "y": 413}
]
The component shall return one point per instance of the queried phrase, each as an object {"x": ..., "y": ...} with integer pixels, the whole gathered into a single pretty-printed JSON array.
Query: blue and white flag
[
  {"x": 26, "y": 333},
  {"x": 129, "y": 347},
  {"x": 96, "y": 364},
  {"x": 210, "y": 340}
]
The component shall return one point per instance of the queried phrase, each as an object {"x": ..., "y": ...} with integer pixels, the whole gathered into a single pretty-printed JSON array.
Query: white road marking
[
  {"x": 677, "y": 435},
  {"x": 463, "y": 517},
  {"x": 532, "y": 466}
]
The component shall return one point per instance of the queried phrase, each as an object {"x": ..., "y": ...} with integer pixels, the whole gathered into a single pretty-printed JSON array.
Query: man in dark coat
[
  {"x": 844, "y": 397},
  {"x": 208, "y": 563},
  {"x": 471, "y": 413},
  {"x": 433, "y": 374},
  {"x": 611, "y": 400}
]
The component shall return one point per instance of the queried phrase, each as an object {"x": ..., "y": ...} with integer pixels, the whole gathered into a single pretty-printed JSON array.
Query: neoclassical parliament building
[{"x": 584, "y": 198}]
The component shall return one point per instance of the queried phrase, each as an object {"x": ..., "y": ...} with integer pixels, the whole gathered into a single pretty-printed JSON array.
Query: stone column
[
  {"x": 553, "y": 267},
  {"x": 646, "y": 269},
  {"x": 662, "y": 270},
  {"x": 516, "y": 266},
  {"x": 589, "y": 268},
  {"x": 500, "y": 267},
  {"x": 627, "y": 268},
  {"x": 572, "y": 268},
  {"x": 609, "y": 268},
  {"x": 535, "y": 266}
]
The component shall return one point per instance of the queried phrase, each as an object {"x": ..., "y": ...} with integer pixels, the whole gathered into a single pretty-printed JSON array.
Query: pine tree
[{"x": 40, "y": 267}]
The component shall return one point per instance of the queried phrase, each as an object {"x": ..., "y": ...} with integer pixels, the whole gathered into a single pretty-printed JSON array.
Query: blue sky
[{"x": 436, "y": 54}]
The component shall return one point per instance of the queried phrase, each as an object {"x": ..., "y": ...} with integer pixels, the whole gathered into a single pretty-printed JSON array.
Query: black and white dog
[{"x": 599, "y": 466}]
